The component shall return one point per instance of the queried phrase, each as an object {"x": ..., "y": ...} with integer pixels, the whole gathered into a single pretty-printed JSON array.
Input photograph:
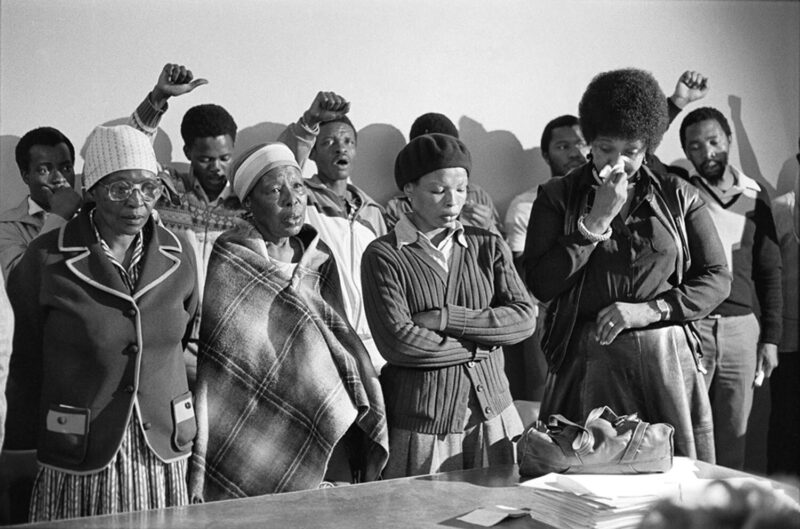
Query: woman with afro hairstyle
[{"x": 628, "y": 257}]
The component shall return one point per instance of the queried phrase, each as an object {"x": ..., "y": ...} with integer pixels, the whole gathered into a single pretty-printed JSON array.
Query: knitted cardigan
[
  {"x": 430, "y": 374},
  {"x": 281, "y": 376}
]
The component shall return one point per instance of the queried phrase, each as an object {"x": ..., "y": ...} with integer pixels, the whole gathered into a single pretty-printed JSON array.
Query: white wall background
[{"x": 499, "y": 69}]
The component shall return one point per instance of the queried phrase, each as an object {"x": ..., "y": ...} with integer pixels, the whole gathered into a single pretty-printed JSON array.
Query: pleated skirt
[
  {"x": 481, "y": 444},
  {"x": 135, "y": 480}
]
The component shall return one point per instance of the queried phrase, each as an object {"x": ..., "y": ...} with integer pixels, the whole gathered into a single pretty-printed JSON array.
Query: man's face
[
  {"x": 49, "y": 169},
  {"x": 335, "y": 151},
  {"x": 211, "y": 159},
  {"x": 567, "y": 150},
  {"x": 707, "y": 148}
]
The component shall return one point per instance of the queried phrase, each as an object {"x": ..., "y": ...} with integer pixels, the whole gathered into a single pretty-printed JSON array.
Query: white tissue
[{"x": 619, "y": 167}]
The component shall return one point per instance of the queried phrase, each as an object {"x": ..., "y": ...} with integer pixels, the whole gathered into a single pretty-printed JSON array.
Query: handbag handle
[
  {"x": 570, "y": 436},
  {"x": 633, "y": 446}
]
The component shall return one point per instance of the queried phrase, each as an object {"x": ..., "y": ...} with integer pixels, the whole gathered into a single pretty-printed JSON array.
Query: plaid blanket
[{"x": 281, "y": 375}]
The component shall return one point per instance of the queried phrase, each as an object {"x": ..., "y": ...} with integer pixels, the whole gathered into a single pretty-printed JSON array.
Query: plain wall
[{"x": 500, "y": 70}]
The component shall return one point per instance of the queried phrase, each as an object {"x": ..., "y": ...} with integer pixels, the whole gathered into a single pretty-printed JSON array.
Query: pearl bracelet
[{"x": 592, "y": 237}]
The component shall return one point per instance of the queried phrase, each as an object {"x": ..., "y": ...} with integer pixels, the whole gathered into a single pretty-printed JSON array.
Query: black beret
[
  {"x": 427, "y": 153},
  {"x": 430, "y": 123}
]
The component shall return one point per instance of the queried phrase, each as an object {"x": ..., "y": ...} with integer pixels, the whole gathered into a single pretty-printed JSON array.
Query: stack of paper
[{"x": 605, "y": 501}]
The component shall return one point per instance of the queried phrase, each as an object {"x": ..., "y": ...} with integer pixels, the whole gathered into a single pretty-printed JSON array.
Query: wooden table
[{"x": 426, "y": 501}]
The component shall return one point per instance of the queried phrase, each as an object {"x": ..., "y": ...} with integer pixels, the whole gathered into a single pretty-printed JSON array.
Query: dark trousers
[{"x": 783, "y": 442}]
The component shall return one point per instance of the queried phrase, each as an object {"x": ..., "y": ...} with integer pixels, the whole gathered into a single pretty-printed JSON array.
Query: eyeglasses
[{"x": 121, "y": 190}]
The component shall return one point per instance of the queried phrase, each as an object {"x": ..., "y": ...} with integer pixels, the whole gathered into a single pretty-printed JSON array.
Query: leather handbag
[{"x": 605, "y": 444}]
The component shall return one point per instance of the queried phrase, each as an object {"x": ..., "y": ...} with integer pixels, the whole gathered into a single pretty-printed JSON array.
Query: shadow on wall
[
  {"x": 260, "y": 133},
  {"x": 747, "y": 156},
  {"x": 378, "y": 145},
  {"x": 790, "y": 172},
  {"x": 500, "y": 164},
  {"x": 12, "y": 189}
]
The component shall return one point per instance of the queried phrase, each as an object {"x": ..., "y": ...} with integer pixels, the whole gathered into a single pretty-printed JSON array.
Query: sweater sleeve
[
  {"x": 146, "y": 118},
  {"x": 552, "y": 261},
  {"x": 767, "y": 267},
  {"x": 399, "y": 340},
  {"x": 707, "y": 282},
  {"x": 300, "y": 138},
  {"x": 511, "y": 315}
]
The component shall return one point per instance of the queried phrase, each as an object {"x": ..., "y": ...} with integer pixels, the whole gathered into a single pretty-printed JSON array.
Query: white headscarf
[{"x": 256, "y": 162}]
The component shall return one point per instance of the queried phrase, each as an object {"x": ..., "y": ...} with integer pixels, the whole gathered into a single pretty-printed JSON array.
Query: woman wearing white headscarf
[
  {"x": 286, "y": 393},
  {"x": 103, "y": 307}
]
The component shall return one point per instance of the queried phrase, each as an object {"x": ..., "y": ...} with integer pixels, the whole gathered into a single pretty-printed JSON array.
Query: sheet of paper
[
  {"x": 489, "y": 516},
  {"x": 619, "y": 485}
]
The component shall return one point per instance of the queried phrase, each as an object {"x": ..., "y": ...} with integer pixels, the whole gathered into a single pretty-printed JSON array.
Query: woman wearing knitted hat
[
  {"x": 286, "y": 393},
  {"x": 102, "y": 310},
  {"x": 627, "y": 256},
  {"x": 441, "y": 300}
]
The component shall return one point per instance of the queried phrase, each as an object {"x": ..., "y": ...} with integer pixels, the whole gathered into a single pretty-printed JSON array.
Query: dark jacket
[
  {"x": 86, "y": 350},
  {"x": 556, "y": 273}
]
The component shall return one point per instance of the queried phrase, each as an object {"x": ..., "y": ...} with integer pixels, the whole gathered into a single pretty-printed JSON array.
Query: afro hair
[
  {"x": 204, "y": 121},
  {"x": 626, "y": 104}
]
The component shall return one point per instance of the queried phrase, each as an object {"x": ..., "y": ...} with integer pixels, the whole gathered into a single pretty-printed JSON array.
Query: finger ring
[{"x": 610, "y": 323}]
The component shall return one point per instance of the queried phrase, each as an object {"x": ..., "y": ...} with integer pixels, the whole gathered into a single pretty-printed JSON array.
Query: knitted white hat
[
  {"x": 112, "y": 149},
  {"x": 256, "y": 162}
]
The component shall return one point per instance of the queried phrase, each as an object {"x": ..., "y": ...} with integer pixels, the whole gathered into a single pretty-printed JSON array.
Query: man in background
[
  {"x": 738, "y": 350},
  {"x": 346, "y": 218},
  {"x": 46, "y": 161},
  {"x": 479, "y": 208},
  {"x": 563, "y": 149}
]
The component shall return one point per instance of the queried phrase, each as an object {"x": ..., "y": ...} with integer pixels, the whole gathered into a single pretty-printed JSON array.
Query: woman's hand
[
  {"x": 430, "y": 319},
  {"x": 610, "y": 197},
  {"x": 617, "y": 317}
]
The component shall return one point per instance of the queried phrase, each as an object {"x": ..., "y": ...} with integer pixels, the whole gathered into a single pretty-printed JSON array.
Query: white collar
[
  {"x": 741, "y": 183},
  {"x": 407, "y": 233},
  {"x": 34, "y": 208}
]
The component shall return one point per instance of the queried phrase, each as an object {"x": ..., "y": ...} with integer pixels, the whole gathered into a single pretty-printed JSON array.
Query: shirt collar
[
  {"x": 198, "y": 190},
  {"x": 34, "y": 208},
  {"x": 407, "y": 233},
  {"x": 741, "y": 183}
]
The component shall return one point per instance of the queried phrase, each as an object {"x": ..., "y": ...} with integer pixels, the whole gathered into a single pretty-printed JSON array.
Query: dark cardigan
[{"x": 430, "y": 374}]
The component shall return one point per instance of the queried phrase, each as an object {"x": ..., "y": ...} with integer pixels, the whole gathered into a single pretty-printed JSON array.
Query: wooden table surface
[{"x": 426, "y": 501}]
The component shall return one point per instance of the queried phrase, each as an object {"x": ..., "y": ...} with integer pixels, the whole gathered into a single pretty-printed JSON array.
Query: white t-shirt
[{"x": 517, "y": 217}]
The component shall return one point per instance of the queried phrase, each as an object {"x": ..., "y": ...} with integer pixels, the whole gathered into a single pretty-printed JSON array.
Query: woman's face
[
  {"x": 118, "y": 214},
  {"x": 278, "y": 203},
  {"x": 437, "y": 198},
  {"x": 608, "y": 151}
]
